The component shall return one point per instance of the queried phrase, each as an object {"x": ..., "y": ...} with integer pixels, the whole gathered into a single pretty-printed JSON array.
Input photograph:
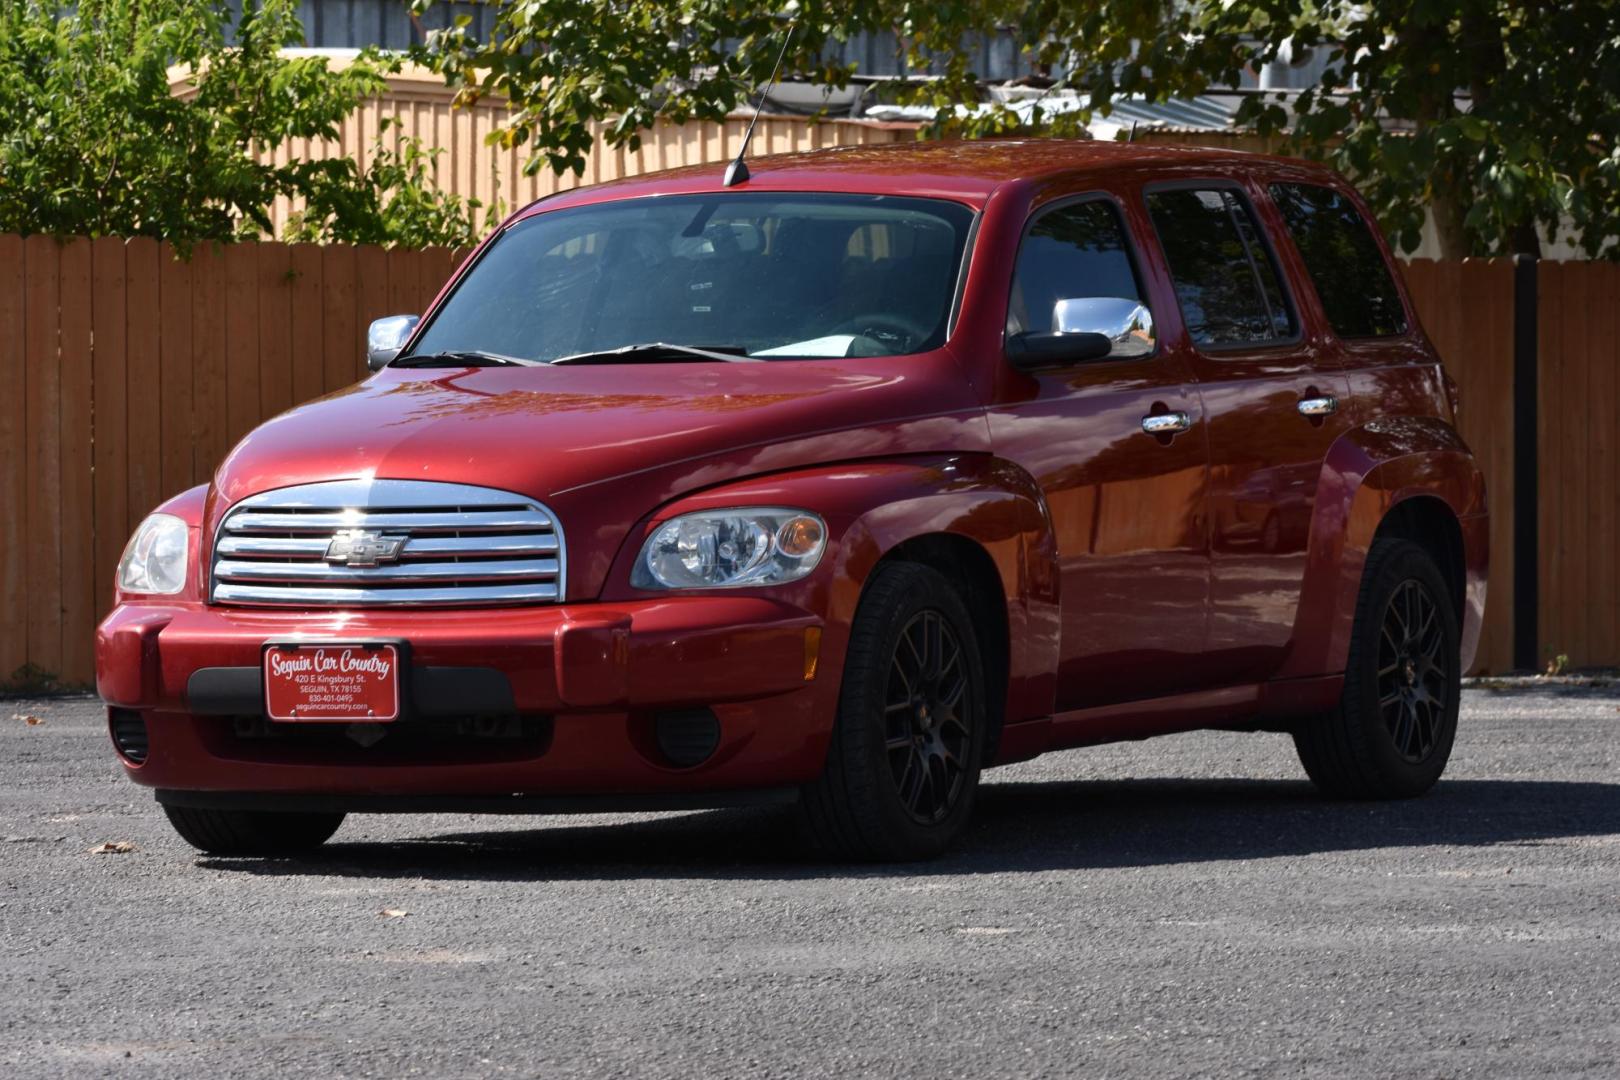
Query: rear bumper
[{"x": 587, "y": 682}]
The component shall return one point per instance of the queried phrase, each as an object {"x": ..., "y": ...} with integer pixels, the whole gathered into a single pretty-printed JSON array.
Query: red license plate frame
[{"x": 332, "y": 682}]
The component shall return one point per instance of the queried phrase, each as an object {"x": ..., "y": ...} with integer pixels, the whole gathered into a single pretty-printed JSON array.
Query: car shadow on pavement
[{"x": 1017, "y": 827}]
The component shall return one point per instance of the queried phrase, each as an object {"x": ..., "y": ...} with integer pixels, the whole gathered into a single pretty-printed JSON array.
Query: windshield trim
[{"x": 537, "y": 209}]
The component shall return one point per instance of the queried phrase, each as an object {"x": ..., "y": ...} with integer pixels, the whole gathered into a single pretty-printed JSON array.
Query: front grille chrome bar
[
  {"x": 416, "y": 522},
  {"x": 308, "y": 596},
  {"x": 481, "y": 570},
  {"x": 363, "y": 543}
]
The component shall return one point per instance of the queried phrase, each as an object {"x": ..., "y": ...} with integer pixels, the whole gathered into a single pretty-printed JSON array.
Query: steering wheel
[{"x": 896, "y": 332}]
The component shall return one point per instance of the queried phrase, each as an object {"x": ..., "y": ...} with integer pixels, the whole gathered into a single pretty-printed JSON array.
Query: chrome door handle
[
  {"x": 1170, "y": 423},
  {"x": 1325, "y": 405}
]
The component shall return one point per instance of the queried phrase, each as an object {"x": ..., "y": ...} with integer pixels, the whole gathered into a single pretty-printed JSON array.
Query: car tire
[
  {"x": 1392, "y": 732},
  {"x": 252, "y": 832},
  {"x": 907, "y": 746}
]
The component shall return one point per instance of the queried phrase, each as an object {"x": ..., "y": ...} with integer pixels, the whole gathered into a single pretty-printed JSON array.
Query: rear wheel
[
  {"x": 903, "y": 767},
  {"x": 252, "y": 832},
  {"x": 1392, "y": 732}
]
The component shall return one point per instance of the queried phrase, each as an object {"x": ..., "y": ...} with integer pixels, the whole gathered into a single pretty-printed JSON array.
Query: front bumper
[{"x": 582, "y": 686}]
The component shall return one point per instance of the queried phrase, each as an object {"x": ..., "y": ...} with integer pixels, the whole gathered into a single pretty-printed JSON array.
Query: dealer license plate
[{"x": 331, "y": 683}]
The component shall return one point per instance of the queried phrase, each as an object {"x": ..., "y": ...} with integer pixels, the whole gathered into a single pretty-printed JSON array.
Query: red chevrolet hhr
[{"x": 830, "y": 487}]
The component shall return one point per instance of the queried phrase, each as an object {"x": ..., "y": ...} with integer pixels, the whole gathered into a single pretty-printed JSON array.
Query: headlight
[
  {"x": 155, "y": 560},
  {"x": 719, "y": 549}
]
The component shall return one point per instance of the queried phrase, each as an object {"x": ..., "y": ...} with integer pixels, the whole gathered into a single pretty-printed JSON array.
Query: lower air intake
[
  {"x": 687, "y": 737},
  {"x": 128, "y": 729}
]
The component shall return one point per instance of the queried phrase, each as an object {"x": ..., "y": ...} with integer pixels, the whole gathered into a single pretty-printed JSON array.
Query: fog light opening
[
  {"x": 687, "y": 737},
  {"x": 128, "y": 730}
]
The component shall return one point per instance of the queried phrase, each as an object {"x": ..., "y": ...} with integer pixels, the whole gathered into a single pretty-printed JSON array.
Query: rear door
[{"x": 1273, "y": 397}]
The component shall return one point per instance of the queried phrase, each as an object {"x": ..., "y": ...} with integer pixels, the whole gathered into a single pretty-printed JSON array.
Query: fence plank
[
  {"x": 42, "y": 301},
  {"x": 208, "y": 354},
  {"x": 1611, "y": 407},
  {"x": 404, "y": 286},
  {"x": 242, "y": 404},
  {"x": 1488, "y": 426},
  {"x": 308, "y": 375},
  {"x": 79, "y": 589},
  {"x": 338, "y": 317},
  {"x": 275, "y": 330},
  {"x": 1575, "y": 599},
  {"x": 109, "y": 312},
  {"x": 174, "y": 345},
  {"x": 1574, "y": 426},
  {"x": 13, "y": 460},
  {"x": 144, "y": 380},
  {"x": 1602, "y": 545},
  {"x": 1550, "y": 402}
]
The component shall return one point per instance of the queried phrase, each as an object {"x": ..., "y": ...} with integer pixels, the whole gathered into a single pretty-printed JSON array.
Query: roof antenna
[
  {"x": 737, "y": 171},
  {"x": 1132, "y": 136}
]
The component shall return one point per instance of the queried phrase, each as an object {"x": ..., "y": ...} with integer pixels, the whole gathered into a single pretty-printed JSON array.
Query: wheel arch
[
  {"x": 972, "y": 573},
  {"x": 1427, "y": 521},
  {"x": 987, "y": 531},
  {"x": 1412, "y": 477}
]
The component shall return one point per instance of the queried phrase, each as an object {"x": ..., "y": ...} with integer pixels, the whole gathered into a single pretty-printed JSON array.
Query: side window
[
  {"x": 1340, "y": 252},
  {"x": 1228, "y": 286},
  {"x": 1074, "y": 252}
]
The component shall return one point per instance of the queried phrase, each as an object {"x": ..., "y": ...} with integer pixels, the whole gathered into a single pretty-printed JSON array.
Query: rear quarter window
[
  {"x": 1343, "y": 259},
  {"x": 1230, "y": 292}
]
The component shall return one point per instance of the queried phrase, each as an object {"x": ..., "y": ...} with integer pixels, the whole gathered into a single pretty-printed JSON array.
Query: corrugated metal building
[{"x": 471, "y": 168}]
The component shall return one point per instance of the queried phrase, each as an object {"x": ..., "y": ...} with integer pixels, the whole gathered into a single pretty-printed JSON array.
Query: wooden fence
[
  {"x": 1468, "y": 310},
  {"x": 126, "y": 375}
]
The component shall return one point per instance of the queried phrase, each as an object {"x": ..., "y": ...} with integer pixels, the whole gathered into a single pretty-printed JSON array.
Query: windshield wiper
[
  {"x": 461, "y": 358},
  {"x": 659, "y": 350}
]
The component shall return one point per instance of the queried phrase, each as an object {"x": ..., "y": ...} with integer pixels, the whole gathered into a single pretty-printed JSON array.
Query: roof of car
[{"x": 958, "y": 169}]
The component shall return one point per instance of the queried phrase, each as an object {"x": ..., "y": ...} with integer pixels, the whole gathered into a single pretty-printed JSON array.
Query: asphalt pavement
[{"x": 1180, "y": 907}]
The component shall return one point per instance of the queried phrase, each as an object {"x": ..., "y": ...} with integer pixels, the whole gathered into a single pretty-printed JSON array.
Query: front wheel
[
  {"x": 907, "y": 746},
  {"x": 252, "y": 832},
  {"x": 1391, "y": 734}
]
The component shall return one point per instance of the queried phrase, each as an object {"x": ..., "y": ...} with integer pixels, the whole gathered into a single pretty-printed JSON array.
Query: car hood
[{"x": 603, "y": 446}]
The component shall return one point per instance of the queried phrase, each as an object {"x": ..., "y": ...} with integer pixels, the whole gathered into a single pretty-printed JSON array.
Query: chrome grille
[{"x": 363, "y": 543}]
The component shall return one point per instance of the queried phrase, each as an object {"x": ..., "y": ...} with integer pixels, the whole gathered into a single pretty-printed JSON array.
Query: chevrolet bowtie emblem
[{"x": 363, "y": 548}]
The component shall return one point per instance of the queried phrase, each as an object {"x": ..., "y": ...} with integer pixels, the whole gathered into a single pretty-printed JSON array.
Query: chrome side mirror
[
  {"x": 1085, "y": 329},
  {"x": 1127, "y": 324},
  {"x": 386, "y": 337}
]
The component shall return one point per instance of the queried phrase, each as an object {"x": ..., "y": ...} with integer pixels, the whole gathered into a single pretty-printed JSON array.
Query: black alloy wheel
[
  {"x": 1391, "y": 733},
  {"x": 928, "y": 723},
  {"x": 1413, "y": 684},
  {"x": 907, "y": 744}
]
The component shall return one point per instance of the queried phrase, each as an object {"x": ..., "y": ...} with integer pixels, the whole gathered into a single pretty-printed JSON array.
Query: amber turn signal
[
  {"x": 812, "y": 651},
  {"x": 799, "y": 536}
]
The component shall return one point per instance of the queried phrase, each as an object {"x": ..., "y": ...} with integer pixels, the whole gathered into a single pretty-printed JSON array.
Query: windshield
[{"x": 775, "y": 276}]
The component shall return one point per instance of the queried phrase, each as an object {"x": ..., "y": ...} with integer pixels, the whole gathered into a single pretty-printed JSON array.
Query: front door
[
  {"x": 1274, "y": 401},
  {"x": 1126, "y": 505}
]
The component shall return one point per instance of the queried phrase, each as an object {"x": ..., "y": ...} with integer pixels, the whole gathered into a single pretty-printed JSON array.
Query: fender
[
  {"x": 1367, "y": 472},
  {"x": 872, "y": 506}
]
